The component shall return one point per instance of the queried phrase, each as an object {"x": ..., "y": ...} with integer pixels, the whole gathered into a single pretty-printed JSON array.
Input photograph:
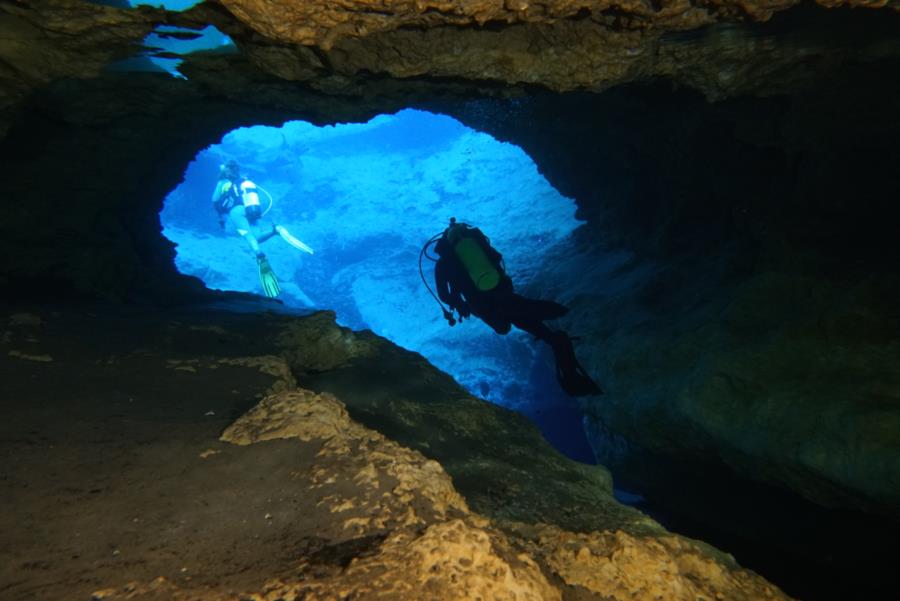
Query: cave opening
[
  {"x": 173, "y": 5},
  {"x": 164, "y": 48},
  {"x": 743, "y": 172},
  {"x": 362, "y": 199}
]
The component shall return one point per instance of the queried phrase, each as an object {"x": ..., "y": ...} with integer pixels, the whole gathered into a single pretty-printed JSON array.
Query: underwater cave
[
  {"x": 366, "y": 198},
  {"x": 709, "y": 190}
]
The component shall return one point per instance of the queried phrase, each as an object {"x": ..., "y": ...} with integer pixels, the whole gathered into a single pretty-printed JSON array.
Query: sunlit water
[{"x": 365, "y": 198}]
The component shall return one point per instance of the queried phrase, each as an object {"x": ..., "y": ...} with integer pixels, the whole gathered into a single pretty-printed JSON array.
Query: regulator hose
[{"x": 448, "y": 314}]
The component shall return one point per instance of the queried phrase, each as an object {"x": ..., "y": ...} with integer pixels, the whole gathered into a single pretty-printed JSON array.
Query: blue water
[
  {"x": 178, "y": 5},
  {"x": 366, "y": 197},
  {"x": 160, "y": 43}
]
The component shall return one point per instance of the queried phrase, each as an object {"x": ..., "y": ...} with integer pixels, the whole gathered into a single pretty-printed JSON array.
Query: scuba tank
[
  {"x": 470, "y": 252},
  {"x": 470, "y": 246},
  {"x": 250, "y": 198},
  {"x": 235, "y": 189}
]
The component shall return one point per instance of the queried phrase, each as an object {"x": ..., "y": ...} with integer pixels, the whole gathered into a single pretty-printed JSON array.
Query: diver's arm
[
  {"x": 446, "y": 291},
  {"x": 441, "y": 281},
  {"x": 217, "y": 193}
]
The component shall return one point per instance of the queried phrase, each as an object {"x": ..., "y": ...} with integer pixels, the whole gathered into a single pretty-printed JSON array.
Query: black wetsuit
[{"x": 499, "y": 307}]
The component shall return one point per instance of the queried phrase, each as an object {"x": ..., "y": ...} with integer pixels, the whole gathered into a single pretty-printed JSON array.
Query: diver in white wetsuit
[{"x": 236, "y": 200}]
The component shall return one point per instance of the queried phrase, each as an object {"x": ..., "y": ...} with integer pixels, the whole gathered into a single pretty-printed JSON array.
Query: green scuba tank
[{"x": 482, "y": 271}]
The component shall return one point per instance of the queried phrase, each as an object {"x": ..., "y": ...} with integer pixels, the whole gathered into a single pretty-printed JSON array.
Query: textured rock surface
[
  {"x": 747, "y": 324},
  {"x": 136, "y": 499},
  {"x": 740, "y": 308},
  {"x": 318, "y": 22},
  {"x": 103, "y": 240},
  {"x": 619, "y": 566},
  {"x": 319, "y": 345},
  {"x": 451, "y": 553},
  {"x": 43, "y": 41},
  {"x": 308, "y": 416},
  {"x": 562, "y": 45},
  {"x": 496, "y": 457}
]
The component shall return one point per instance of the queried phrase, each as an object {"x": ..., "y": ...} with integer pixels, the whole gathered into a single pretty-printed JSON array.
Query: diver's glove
[
  {"x": 463, "y": 311},
  {"x": 448, "y": 315}
]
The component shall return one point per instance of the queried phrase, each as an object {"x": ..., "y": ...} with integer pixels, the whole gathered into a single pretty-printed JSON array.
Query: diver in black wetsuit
[{"x": 471, "y": 280}]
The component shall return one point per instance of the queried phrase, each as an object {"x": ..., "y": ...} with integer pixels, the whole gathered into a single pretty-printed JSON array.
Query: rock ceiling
[
  {"x": 559, "y": 44},
  {"x": 323, "y": 23}
]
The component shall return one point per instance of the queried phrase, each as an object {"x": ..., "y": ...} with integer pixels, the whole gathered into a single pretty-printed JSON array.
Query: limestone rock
[
  {"x": 429, "y": 545},
  {"x": 317, "y": 343},
  {"x": 744, "y": 325},
  {"x": 308, "y": 416},
  {"x": 318, "y": 22},
  {"x": 559, "y": 44},
  {"x": 452, "y": 561},
  {"x": 271, "y": 365},
  {"x": 781, "y": 406},
  {"x": 619, "y": 566},
  {"x": 82, "y": 203},
  {"x": 497, "y": 459},
  {"x": 42, "y": 41}
]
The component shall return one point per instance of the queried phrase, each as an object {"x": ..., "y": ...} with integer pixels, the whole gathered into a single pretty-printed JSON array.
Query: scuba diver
[
  {"x": 471, "y": 279},
  {"x": 236, "y": 200}
]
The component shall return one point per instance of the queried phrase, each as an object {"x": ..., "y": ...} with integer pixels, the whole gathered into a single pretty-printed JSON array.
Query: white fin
[{"x": 286, "y": 235}]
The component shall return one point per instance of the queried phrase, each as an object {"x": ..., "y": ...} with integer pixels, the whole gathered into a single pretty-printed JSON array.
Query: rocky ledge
[{"x": 137, "y": 484}]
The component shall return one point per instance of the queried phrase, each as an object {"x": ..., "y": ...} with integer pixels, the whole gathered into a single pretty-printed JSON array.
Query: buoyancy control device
[
  {"x": 469, "y": 246},
  {"x": 250, "y": 199},
  {"x": 472, "y": 248},
  {"x": 244, "y": 192}
]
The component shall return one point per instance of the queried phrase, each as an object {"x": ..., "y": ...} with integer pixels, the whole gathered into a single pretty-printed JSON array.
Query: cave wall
[
  {"x": 86, "y": 169},
  {"x": 735, "y": 286},
  {"x": 88, "y": 162},
  {"x": 739, "y": 305}
]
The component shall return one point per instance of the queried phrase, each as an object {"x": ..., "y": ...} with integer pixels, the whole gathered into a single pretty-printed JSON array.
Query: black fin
[{"x": 572, "y": 377}]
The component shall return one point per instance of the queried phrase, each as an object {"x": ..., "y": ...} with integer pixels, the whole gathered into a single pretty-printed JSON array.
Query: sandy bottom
[{"x": 112, "y": 471}]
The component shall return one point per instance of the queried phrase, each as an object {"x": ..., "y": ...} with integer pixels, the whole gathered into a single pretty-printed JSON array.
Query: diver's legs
[
  {"x": 521, "y": 308},
  {"x": 252, "y": 242},
  {"x": 499, "y": 325},
  {"x": 238, "y": 218},
  {"x": 529, "y": 314},
  {"x": 538, "y": 329},
  {"x": 267, "y": 235},
  {"x": 489, "y": 308}
]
